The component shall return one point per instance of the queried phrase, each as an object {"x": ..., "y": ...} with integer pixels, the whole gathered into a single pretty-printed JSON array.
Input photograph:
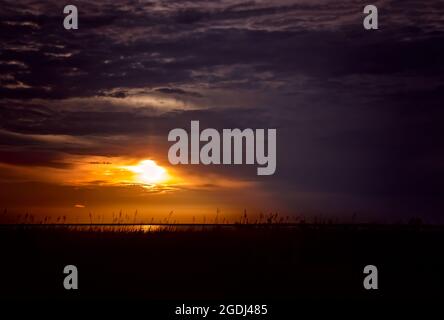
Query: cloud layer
[{"x": 358, "y": 113}]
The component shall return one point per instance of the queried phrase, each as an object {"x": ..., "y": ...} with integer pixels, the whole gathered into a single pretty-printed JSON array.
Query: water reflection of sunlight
[{"x": 149, "y": 228}]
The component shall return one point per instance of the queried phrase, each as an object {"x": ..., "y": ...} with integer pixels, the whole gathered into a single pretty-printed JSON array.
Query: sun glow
[{"x": 148, "y": 171}]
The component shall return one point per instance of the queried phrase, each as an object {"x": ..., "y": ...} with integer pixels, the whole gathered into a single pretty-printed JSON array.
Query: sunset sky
[{"x": 85, "y": 114}]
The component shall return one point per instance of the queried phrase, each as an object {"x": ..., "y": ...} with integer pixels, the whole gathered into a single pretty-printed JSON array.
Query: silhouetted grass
[{"x": 240, "y": 260}]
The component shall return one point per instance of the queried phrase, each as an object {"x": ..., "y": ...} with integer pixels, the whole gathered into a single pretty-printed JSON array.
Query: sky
[{"x": 358, "y": 113}]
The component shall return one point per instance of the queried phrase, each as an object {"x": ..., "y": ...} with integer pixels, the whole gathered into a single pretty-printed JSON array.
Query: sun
[{"x": 148, "y": 172}]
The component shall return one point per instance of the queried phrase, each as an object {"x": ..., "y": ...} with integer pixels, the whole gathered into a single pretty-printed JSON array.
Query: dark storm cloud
[
  {"x": 25, "y": 158},
  {"x": 32, "y": 119},
  {"x": 142, "y": 47},
  {"x": 358, "y": 112},
  {"x": 178, "y": 91}
]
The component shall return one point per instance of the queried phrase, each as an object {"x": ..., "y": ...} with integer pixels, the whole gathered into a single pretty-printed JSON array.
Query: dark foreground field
[{"x": 243, "y": 263}]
